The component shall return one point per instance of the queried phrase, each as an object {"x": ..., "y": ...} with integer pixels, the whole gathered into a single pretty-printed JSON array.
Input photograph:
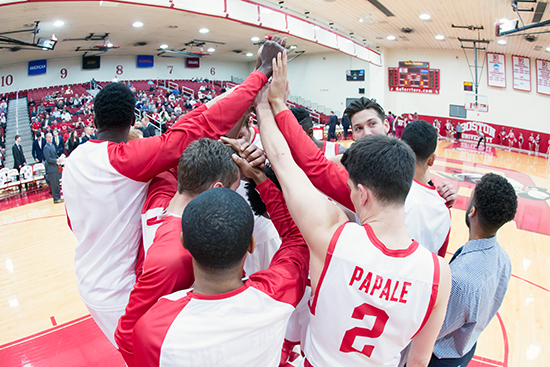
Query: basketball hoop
[{"x": 478, "y": 103}]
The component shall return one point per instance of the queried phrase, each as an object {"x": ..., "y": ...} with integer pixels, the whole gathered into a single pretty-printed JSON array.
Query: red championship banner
[
  {"x": 496, "y": 70},
  {"x": 543, "y": 76},
  {"x": 521, "y": 67}
]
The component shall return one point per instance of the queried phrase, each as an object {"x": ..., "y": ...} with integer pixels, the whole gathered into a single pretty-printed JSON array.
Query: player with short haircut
[
  {"x": 225, "y": 320},
  {"x": 373, "y": 269},
  {"x": 367, "y": 117},
  {"x": 105, "y": 184},
  {"x": 480, "y": 271},
  {"x": 167, "y": 267},
  {"x": 427, "y": 218}
]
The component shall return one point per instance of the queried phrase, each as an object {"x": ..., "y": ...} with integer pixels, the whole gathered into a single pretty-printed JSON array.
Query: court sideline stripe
[
  {"x": 505, "y": 336},
  {"x": 44, "y": 332},
  {"x": 31, "y": 219}
]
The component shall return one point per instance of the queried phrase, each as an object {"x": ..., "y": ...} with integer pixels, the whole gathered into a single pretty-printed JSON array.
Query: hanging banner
[
  {"x": 145, "y": 61},
  {"x": 521, "y": 71},
  {"x": 37, "y": 67},
  {"x": 496, "y": 70},
  {"x": 543, "y": 77}
]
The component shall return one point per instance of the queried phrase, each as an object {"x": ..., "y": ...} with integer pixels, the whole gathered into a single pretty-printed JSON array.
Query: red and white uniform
[
  {"x": 370, "y": 301},
  {"x": 511, "y": 137},
  {"x": 167, "y": 267},
  {"x": 244, "y": 327},
  {"x": 330, "y": 149},
  {"x": 105, "y": 185},
  {"x": 428, "y": 218}
]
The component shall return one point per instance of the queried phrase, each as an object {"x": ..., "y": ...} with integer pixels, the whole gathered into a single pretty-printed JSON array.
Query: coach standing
[
  {"x": 18, "y": 156},
  {"x": 52, "y": 170}
]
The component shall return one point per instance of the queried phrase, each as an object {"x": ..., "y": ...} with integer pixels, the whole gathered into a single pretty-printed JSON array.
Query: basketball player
[
  {"x": 328, "y": 148},
  {"x": 167, "y": 266},
  {"x": 520, "y": 141},
  {"x": 481, "y": 137},
  {"x": 105, "y": 183},
  {"x": 480, "y": 271},
  {"x": 427, "y": 218},
  {"x": 373, "y": 269},
  {"x": 400, "y": 125},
  {"x": 225, "y": 320}
]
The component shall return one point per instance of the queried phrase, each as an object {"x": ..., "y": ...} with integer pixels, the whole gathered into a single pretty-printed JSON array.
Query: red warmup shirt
[
  {"x": 316, "y": 166},
  {"x": 167, "y": 267},
  {"x": 230, "y": 323}
]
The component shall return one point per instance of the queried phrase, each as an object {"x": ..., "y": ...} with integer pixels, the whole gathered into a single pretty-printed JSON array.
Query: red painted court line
[
  {"x": 483, "y": 359},
  {"x": 536, "y": 285},
  {"x": 52, "y": 319},
  {"x": 505, "y": 335},
  {"x": 33, "y": 336},
  {"x": 29, "y": 220}
]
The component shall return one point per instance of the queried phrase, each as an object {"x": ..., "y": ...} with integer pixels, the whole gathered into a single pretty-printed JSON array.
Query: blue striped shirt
[{"x": 480, "y": 276}]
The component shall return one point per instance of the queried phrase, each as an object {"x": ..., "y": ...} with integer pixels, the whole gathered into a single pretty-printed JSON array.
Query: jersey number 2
[{"x": 377, "y": 329}]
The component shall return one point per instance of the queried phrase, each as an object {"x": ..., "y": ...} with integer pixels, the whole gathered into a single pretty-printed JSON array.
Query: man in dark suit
[
  {"x": 58, "y": 142},
  {"x": 332, "y": 122},
  {"x": 38, "y": 148},
  {"x": 345, "y": 126},
  {"x": 148, "y": 129},
  {"x": 18, "y": 156},
  {"x": 52, "y": 170}
]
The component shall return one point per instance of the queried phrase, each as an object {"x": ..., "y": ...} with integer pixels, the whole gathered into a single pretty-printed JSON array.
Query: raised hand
[
  {"x": 255, "y": 173},
  {"x": 268, "y": 37},
  {"x": 270, "y": 49},
  {"x": 279, "y": 83}
]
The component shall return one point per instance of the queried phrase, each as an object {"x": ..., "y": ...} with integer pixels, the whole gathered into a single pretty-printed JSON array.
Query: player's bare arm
[
  {"x": 422, "y": 344},
  {"x": 314, "y": 215},
  {"x": 448, "y": 192}
]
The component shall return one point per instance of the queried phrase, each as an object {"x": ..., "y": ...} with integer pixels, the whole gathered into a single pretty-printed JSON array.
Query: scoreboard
[{"x": 414, "y": 77}]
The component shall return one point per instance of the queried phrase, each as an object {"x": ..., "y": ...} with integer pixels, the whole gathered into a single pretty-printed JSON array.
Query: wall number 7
[{"x": 377, "y": 329}]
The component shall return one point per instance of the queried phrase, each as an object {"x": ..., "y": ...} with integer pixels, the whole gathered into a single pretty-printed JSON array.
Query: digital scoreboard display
[{"x": 414, "y": 77}]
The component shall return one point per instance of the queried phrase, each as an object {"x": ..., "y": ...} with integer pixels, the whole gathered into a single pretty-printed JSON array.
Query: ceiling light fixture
[
  {"x": 548, "y": 49},
  {"x": 503, "y": 20},
  {"x": 440, "y": 37},
  {"x": 137, "y": 24},
  {"x": 390, "y": 38},
  {"x": 255, "y": 39},
  {"x": 211, "y": 49},
  {"x": 249, "y": 54},
  {"x": 501, "y": 42},
  {"x": 204, "y": 30},
  {"x": 425, "y": 16},
  {"x": 292, "y": 47},
  {"x": 361, "y": 20},
  {"x": 164, "y": 46},
  {"x": 59, "y": 23}
]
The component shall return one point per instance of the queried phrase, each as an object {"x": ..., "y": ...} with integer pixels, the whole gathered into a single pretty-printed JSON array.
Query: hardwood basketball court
[{"x": 43, "y": 321}]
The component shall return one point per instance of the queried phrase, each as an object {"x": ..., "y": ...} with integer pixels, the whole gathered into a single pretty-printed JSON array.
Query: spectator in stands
[
  {"x": 38, "y": 148},
  {"x": 3, "y": 107},
  {"x": 66, "y": 116},
  {"x": 148, "y": 129},
  {"x": 36, "y": 125},
  {"x": 3, "y": 120},
  {"x": 93, "y": 84},
  {"x": 69, "y": 91},
  {"x": 47, "y": 97},
  {"x": 58, "y": 143},
  {"x": 72, "y": 142},
  {"x": 18, "y": 155},
  {"x": 177, "y": 110},
  {"x": 41, "y": 109},
  {"x": 56, "y": 113}
]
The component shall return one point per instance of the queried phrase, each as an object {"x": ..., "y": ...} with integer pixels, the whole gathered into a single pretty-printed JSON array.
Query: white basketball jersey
[
  {"x": 330, "y": 149},
  {"x": 370, "y": 301},
  {"x": 427, "y": 217}
]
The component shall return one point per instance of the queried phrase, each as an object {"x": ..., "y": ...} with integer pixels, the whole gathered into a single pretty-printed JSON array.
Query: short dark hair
[
  {"x": 364, "y": 104},
  {"x": 422, "y": 138},
  {"x": 17, "y": 136},
  {"x": 383, "y": 164},
  {"x": 38, "y": 134},
  {"x": 256, "y": 203},
  {"x": 495, "y": 201},
  {"x": 114, "y": 106},
  {"x": 217, "y": 228},
  {"x": 303, "y": 117},
  {"x": 204, "y": 162}
]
